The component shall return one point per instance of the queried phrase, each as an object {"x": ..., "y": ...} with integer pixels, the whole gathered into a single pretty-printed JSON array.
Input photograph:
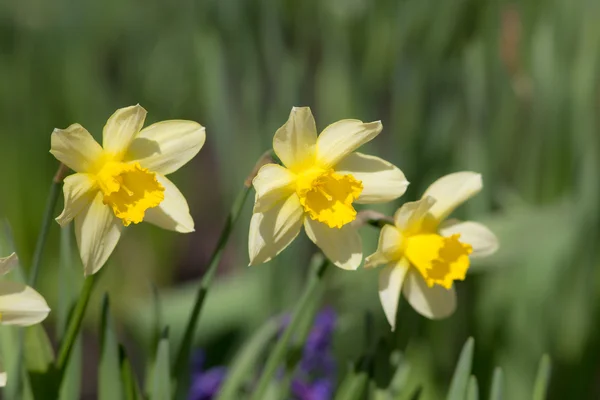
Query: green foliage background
[{"x": 506, "y": 89}]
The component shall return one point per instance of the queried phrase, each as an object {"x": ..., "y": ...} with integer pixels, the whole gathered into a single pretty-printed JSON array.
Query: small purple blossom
[
  {"x": 205, "y": 383},
  {"x": 321, "y": 389}
]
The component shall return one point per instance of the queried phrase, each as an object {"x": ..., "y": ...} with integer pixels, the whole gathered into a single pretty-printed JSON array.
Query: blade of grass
[
  {"x": 542, "y": 380},
  {"x": 279, "y": 351},
  {"x": 131, "y": 388},
  {"x": 473, "y": 390},
  {"x": 71, "y": 385},
  {"x": 161, "y": 379},
  {"x": 460, "y": 379},
  {"x": 109, "y": 377},
  {"x": 247, "y": 358},
  {"x": 496, "y": 392}
]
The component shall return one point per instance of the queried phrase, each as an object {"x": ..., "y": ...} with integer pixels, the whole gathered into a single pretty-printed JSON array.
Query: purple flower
[
  {"x": 317, "y": 356},
  {"x": 205, "y": 383},
  {"x": 321, "y": 389}
]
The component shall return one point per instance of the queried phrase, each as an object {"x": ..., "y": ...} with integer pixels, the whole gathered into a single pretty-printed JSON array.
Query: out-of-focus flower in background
[
  {"x": 205, "y": 382},
  {"x": 313, "y": 380},
  {"x": 19, "y": 304},
  {"x": 424, "y": 254},
  {"x": 320, "y": 180},
  {"x": 124, "y": 180}
]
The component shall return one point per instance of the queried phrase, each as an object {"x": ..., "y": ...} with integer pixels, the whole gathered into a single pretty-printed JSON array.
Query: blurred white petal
[
  {"x": 121, "y": 128},
  {"x": 451, "y": 191},
  {"x": 341, "y": 138},
  {"x": 480, "y": 237},
  {"x": 21, "y": 305},
  {"x": 388, "y": 248},
  {"x": 8, "y": 263},
  {"x": 294, "y": 143},
  {"x": 75, "y": 148},
  {"x": 342, "y": 246},
  {"x": 273, "y": 183},
  {"x": 390, "y": 286},
  {"x": 79, "y": 190}
]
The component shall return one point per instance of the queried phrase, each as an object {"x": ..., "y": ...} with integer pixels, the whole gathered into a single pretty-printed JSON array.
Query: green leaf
[
  {"x": 473, "y": 391},
  {"x": 245, "y": 362},
  {"x": 109, "y": 377},
  {"x": 130, "y": 384},
  {"x": 354, "y": 385},
  {"x": 39, "y": 361},
  {"x": 542, "y": 380},
  {"x": 496, "y": 393},
  {"x": 70, "y": 388},
  {"x": 161, "y": 379},
  {"x": 460, "y": 379}
]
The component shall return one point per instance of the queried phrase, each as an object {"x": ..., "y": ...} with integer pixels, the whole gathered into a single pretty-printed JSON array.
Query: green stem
[
  {"x": 75, "y": 323},
  {"x": 47, "y": 221},
  {"x": 181, "y": 361},
  {"x": 279, "y": 352}
]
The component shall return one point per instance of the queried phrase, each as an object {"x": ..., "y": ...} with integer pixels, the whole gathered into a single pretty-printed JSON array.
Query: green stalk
[
  {"x": 181, "y": 361},
  {"x": 279, "y": 352},
  {"x": 75, "y": 324},
  {"x": 46, "y": 222}
]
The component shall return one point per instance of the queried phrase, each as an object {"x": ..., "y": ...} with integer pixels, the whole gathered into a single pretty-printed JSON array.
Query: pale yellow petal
[
  {"x": 273, "y": 183},
  {"x": 389, "y": 248},
  {"x": 273, "y": 230},
  {"x": 411, "y": 216},
  {"x": 97, "y": 231},
  {"x": 431, "y": 302},
  {"x": 294, "y": 143},
  {"x": 341, "y": 138},
  {"x": 481, "y": 238},
  {"x": 166, "y": 146},
  {"x": 342, "y": 246},
  {"x": 8, "y": 263},
  {"x": 79, "y": 190},
  {"x": 390, "y": 286},
  {"x": 21, "y": 305},
  {"x": 451, "y": 191},
  {"x": 381, "y": 180},
  {"x": 3, "y": 376},
  {"x": 173, "y": 213},
  {"x": 75, "y": 148},
  {"x": 121, "y": 128}
]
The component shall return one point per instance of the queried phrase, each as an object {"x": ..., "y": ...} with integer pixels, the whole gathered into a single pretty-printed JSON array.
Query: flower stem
[
  {"x": 279, "y": 351},
  {"x": 75, "y": 323},
  {"x": 48, "y": 217},
  {"x": 181, "y": 361}
]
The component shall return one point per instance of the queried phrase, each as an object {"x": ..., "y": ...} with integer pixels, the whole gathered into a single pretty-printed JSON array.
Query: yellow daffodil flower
[
  {"x": 124, "y": 180},
  {"x": 424, "y": 254},
  {"x": 320, "y": 181},
  {"x": 19, "y": 304}
]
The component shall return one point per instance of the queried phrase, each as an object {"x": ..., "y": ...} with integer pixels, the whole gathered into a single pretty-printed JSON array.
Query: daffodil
[
  {"x": 19, "y": 304},
  {"x": 424, "y": 254},
  {"x": 320, "y": 181},
  {"x": 124, "y": 180}
]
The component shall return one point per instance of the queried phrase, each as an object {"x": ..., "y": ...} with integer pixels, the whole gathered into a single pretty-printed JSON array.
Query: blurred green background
[{"x": 506, "y": 89}]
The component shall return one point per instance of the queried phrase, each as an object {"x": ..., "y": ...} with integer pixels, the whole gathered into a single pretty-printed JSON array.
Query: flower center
[
  {"x": 327, "y": 196},
  {"x": 129, "y": 190},
  {"x": 440, "y": 260}
]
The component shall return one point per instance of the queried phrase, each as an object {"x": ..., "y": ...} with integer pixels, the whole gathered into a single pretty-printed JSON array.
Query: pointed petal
[
  {"x": 388, "y": 249},
  {"x": 451, "y": 191},
  {"x": 410, "y": 217},
  {"x": 294, "y": 143},
  {"x": 342, "y": 246},
  {"x": 173, "y": 213},
  {"x": 3, "y": 376},
  {"x": 390, "y": 286},
  {"x": 21, "y": 305},
  {"x": 273, "y": 230},
  {"x": 79, "y": 190},
  {"x": 97, "y": 231},
  {"x": 431, "y": 302},
  {"x": 273, "y": 183},
  {"x": 75, "y": 148},
  {"x": 166, "y": 146},
  {"x": 381, "y": 180},
  {"x": 121, "y": 128},
  {"x": 8, "y": 263},
  {"x": 483, "y": 240},
  {"x": 341, "y": 138}
]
